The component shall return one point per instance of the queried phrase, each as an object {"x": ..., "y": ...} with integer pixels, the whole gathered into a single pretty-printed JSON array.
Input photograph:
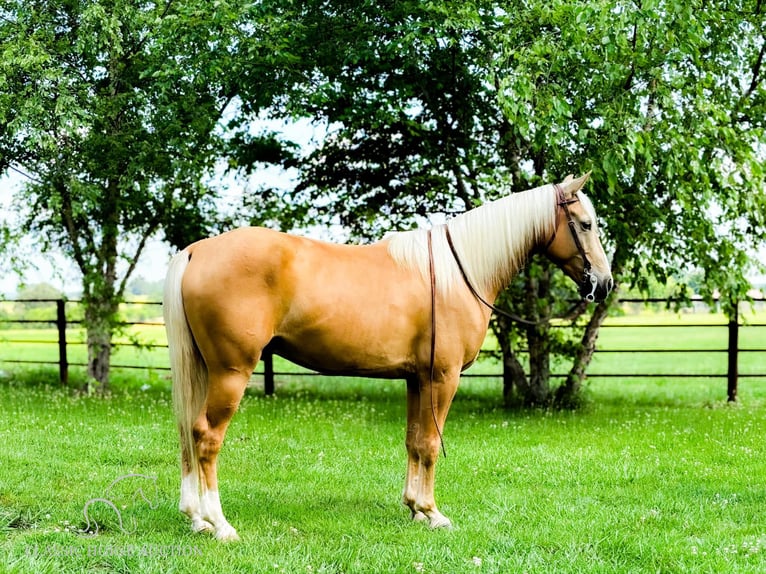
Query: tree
[
  {"x": 120, "y": 110},
  {"x": 111, "y": 108},
  {"x": 436, "y": 106},
  {"x": 676, "y": 116}
]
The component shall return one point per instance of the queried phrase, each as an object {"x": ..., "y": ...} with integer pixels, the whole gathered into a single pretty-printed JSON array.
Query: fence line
[{"x": 732, "y": 349}]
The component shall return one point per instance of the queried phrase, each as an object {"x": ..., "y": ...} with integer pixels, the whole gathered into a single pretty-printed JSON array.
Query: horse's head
[{"x": 575, "y": 245}]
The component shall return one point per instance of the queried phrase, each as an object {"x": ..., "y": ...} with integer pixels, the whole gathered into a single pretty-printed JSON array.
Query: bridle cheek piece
[{"x": 589, "y": 282}]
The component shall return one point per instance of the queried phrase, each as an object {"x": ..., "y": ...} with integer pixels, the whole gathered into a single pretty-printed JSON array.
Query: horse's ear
[{"x": 574, "y": 185}]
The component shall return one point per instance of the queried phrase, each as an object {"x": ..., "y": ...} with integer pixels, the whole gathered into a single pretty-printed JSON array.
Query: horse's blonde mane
[{"x": 492, "y": 241}]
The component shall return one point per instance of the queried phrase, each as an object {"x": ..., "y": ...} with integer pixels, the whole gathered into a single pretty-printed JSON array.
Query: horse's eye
[{"x": 586, "y": 225}]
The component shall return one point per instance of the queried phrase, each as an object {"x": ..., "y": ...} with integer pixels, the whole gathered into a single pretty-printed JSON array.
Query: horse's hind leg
[
  {"x": 225, "y": 391},
  {"x": 190, "y": 493}
]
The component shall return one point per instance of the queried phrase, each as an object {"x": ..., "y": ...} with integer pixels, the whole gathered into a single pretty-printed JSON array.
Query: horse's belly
[{"x": 347, "y": 355}]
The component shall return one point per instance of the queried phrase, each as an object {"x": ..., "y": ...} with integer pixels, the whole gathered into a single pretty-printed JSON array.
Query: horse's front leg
[
  {"x": 411, "y": 482},
  {"x": 427, "y": 407}
]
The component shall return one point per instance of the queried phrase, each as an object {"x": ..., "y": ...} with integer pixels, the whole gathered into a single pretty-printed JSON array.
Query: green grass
[
  {"x": 645, "y": 479},
  {"x": 653, "y": 475}
]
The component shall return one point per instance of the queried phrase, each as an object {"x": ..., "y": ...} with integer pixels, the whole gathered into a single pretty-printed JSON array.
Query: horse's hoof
[
  {"x": 418, "y": 516},
  {"x": 199, "y": 525},
  {"x": 440, "y": 521},
  {"x": 227, "y": 534}
]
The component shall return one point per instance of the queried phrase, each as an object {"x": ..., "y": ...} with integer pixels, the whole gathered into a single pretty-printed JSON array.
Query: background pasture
[{"x": 642, "y": 339}]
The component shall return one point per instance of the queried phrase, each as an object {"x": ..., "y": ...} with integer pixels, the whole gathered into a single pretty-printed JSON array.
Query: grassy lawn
[
  {"x": 653, "y": 475},
  {"x": 647, "y": 478}
]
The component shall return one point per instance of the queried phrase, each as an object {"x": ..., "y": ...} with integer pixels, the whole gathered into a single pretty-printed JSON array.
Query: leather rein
[
  {"x": 588, "y": 278},
  {"x": 562, "y": 203}
]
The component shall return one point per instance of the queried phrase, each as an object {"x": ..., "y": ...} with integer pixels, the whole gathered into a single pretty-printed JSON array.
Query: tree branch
[
  {"x": 462, "y": 189},
  {"x": 25, "y": 174},
  {"x": 629, "y": 80},
  {"x": 139, "y": 46},
  {"x": 756, "y": 69},
  {"x": 150, "y": 229},
  {"x": 75, "y": 232}
]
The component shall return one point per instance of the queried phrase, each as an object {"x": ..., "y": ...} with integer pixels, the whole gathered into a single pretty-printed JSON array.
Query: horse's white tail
[{"x": 188, "y": 370}]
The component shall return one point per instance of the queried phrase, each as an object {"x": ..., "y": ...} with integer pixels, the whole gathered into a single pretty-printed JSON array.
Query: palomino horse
[{"x": 405, "y": 307}]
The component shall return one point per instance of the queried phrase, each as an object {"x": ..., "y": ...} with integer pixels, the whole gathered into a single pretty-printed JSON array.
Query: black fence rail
[{"x": 61, "y": 321}]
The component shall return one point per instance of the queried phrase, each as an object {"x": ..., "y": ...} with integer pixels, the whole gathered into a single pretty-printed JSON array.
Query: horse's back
[{"x": 247, "y": 261}]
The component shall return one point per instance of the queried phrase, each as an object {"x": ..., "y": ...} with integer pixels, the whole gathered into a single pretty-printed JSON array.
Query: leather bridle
[{"x": 589, "y": 281}]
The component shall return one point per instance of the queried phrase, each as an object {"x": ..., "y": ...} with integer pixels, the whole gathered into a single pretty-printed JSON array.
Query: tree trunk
[
  {"x": 538, "y": 309},
  {"x": 99, "y": 355},
  {"x": 568, "y": 394},
  {"x": 99, "y": 320},
  {"x": 101, "y": 308},
  {"x": 515, "y": 383},
  {"x": 518, "y": 388},
  {"x": 539, "y": 391}
]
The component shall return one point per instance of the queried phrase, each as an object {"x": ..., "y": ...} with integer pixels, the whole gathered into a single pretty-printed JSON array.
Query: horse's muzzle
[{"x": 593, "y": 289}]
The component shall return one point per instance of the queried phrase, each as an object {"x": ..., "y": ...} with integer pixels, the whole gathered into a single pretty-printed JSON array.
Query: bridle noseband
[{"x": 589, "y": 281}]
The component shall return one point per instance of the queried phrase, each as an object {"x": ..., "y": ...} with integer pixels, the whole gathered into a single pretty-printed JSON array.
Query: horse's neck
[{"x": 496, "y": 239}]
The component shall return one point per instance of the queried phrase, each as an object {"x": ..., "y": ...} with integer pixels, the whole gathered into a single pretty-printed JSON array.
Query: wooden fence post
[
  {"x": 61, "y": 326},
  {"x": 268, "y": 372},
  {"x": 733, "y": 374}
]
